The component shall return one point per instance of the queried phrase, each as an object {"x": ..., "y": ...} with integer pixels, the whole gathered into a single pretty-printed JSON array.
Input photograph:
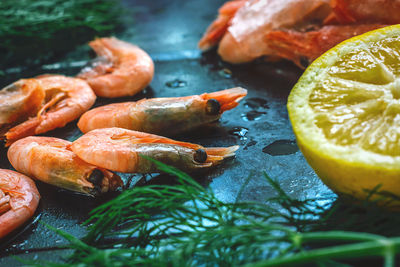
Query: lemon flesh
[{"x": 345, "y": 113}]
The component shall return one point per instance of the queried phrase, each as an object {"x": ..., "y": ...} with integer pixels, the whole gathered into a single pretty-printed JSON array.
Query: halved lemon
[{"x": 345, "y": 113}]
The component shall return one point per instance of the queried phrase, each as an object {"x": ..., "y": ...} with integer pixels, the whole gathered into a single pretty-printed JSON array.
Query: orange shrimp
[
  {"x": 119, "y": 150},
  {"x": 63, "y": 99},
  {"x": 50, "y": 160},
  {"x": 123, "y": 69},
  {"x": 298, "y": 29},
  {"x": 304, "y": 47},
  {"x": 218, "y": 27},
  {"x": 166, "y": 116},
  {"x": 19, "y": 101},
  {"x": 366, "y": 11},
  {"x": 19, "y": 199},
  {"x": 243, "y": 40}
]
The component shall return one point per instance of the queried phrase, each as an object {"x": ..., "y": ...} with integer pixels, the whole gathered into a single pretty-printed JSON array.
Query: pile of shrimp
[
  {"x": 297, "y": 30},
  {"x": 124, "y": 137}
]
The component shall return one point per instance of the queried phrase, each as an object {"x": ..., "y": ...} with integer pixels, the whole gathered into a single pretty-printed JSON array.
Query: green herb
[
  {"x": 32, "y": 31},
  {"x": 186, "y": 225}
]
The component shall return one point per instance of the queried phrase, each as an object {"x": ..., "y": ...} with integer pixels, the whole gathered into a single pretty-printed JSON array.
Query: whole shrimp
[
  {"x": 54, "y": 101},
  {"x": 19, "y": 199},
  {"x": 166, "y": 116},
  {"x": 50, "y": 160},
  {"x": 298, "y": 30},
  {"x": 120, "y": 150},
  {"x": 122, "y": 69}
]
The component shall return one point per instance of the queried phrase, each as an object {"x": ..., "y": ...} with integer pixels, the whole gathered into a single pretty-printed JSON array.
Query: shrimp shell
[
  {"x": 123, "y": 69},
  {"x": 50, "y": 160},
  {"x": 19, "y": 199},
  {"x": 166, "y": 116},
  {"x": 65, "y": 99},
  {"x": 120, "y": 150}
]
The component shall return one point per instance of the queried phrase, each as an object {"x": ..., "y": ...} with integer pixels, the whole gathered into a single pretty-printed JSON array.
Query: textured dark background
[{"x": 169, "y": 32}]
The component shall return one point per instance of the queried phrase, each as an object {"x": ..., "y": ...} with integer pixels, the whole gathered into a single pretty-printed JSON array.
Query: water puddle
[
  {"x": 253, "y": 115},
  {"x": 256, "y": 103},
  {"x": 281, "y": 147}
]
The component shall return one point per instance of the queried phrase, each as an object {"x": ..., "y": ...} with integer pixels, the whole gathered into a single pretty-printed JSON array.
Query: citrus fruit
[{"x": 345, "y": 113}]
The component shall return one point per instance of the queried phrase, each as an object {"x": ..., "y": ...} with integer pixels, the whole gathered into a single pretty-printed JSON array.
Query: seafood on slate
[
  {"x": 19, "y": 199},
  {"x": 165, "y": 116},
  {"x": 298, "y": 30},
  {"x": 120, "y": 150},
  {"x": 121, "y": 69},
  {"x": 51, "y": 160},
  {"x": 38, "y": 105}
]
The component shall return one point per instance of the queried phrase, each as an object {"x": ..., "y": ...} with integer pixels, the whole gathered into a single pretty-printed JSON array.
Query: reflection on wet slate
[{"x": 281, "y": 147}]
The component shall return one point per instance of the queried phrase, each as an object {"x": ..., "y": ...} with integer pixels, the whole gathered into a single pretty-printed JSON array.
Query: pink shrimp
[
  {"x": 123, "y": 69},
  {"x": 277, "y": 28},
  {"x": 19, "y": 199},
  {"x": 304, "y": 47},
  {"x": 366, "y": 11},
  {"x": 244, "y": 38},
  {"x": 50, "y": 160},
  {"x": 120, "y": 150},
  {"x": 63, "y": 99},
  {"x": 166, "y": 116}
]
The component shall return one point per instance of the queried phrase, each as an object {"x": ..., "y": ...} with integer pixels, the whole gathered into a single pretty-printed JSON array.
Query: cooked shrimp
[
  {"x": 120, "y": 150},
  {"x": 166, "y": 116},
  {"x": 122, "y": 70},
  {"x": 277, "y": 28},
  {"x": 50, "y": 160},
  {"x": 64, "y": 100},
  {"x": 243, "y": 40},
  {"x": 304, "y": 47},
  {"x": 366, "y": 11},
  {"x": 19, "y": 199},
  {"x": 19, "y": 101}
]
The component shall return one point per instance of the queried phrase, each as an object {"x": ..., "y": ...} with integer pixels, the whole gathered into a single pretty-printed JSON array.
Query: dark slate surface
[{"x": 169, "y": 32}]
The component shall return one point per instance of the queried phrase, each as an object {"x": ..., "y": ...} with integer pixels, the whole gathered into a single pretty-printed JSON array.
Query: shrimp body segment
[
  {"x": 64, "y": 99},
  {"x": 50, "y": 160},
  {"x": 166, "y": 116},
  {"x": 123, "y": 69},
  {"x": 120, "y": 150},
  {"x": 19, "y": 199}
]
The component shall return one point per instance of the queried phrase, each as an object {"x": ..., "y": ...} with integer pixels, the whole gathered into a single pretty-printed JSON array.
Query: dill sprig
[
  {"x": 32, "y": 31},
  {"x": 186, "y": 225}
]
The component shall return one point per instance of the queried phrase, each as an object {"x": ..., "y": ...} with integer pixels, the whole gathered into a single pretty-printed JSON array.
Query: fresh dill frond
[
  {"x": 33, "y": 31},
  {"x": 186, "y": 225}
]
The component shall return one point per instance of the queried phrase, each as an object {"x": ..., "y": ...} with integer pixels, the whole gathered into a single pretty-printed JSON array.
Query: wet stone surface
[{"x": 256, "y": 125}]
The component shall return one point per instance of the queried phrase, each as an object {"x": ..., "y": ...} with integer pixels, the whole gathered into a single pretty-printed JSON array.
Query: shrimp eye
[
  {"x": 96, "y": 177},
  {"x": 213, "y": 107},
  {"x": 200, "y": 155}
]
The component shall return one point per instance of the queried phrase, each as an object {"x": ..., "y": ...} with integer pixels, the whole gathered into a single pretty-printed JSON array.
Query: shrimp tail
[
  {"x": 228, "y": 99},
  {"x": 219, "y": 27},
  {"x": 216, "y": 154},
  {"x": 22, "y": 130}
]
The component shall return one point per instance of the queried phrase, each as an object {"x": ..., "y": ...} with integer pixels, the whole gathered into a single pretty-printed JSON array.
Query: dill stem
[{"x": 386, "y": 247}]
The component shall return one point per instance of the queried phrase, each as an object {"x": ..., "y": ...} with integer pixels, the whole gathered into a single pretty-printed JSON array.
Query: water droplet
[
  {"x": 255, "y": 103},
  {"x": 252, "y": 115},
  {"x": 176, "y": 83},
  {"x": 281, "y": 147},
  {"x": 240, "y": 132},
  {"x": 226, "y": 73}
]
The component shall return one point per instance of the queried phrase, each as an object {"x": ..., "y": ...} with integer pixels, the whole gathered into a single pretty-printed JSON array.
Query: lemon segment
[{"x": 345, "y": 113}]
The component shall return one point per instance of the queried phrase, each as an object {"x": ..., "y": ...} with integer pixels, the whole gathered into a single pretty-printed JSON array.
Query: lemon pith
[{"x": 345, "y": 113}]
